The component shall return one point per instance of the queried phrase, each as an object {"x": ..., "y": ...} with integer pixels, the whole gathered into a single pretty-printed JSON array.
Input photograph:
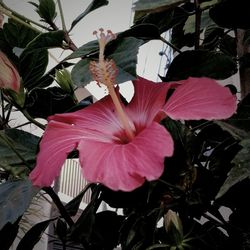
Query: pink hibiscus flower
[
  {"x": 110, "y": 156},
  {"x": 122, "y": 146}
]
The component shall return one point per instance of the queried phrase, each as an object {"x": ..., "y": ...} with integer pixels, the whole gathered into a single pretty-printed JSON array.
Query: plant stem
[
  {"x": 171, "y": 45},
  {"x": 19, "y": 18},
  {"x": 62, "y": 16},
  {"x": 198, "y": 12},
  {"x": 68, "y": 40},
  {"x": 32, "y": 120}
]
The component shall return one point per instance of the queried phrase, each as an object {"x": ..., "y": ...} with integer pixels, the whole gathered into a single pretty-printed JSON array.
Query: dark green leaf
[
  {"x": 15, "y": 198},
  {"x": 212, "y": 37},
  {"x": 120, "y": 199},
  {"x": 244, "y": 61},
  {"x": 178, "y": 38},
  {"x": 32, "y": 66},
  {"x": 46, "y": 10},
  {"x": 18, "y": 35},
  {"x": 73, "y": 206},
  {"x": 158, "y": 246},
  {"x": 82, "y": 229},
  {"x": 44, "y": 102},
  {"x": 201, "y": 63},
  {"x": 95, "y": 4},
  {"x": 156, "y": 5},
  {"x": 31, "y": 238},
  {"x": 141, "y": 31},
  {"x": 34, "y": 59},
  {"x": 23, "y": 142},
  {"x": 106, "y": 230},
  {"x": 228, "y": 45},
  {"x": 246, "y": 39},
  {"x": 125, "y": 57},
  {"x": 189, "y": 26},
  {"x": 164, "y": 20},
  {"x": 47, "y": 79},
  {"x": 240, "y": 171},
  {"x": 61, "y": 229},
  {"x": 46, "y": 40},
  {"x": 8, "y": 234},
  {"x": 85, "y": 50},
  {"x": 80, "y": 73},
  {"x": 241, "y": 119},
  {"x": 231, "y": 14}
]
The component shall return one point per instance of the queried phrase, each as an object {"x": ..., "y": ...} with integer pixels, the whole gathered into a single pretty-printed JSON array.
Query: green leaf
[
  {"x": 47, "y": 40},
  {"x": 106, "y": 229},
  {"x": 231, "y": 14},
  {"x": 73, "y": 206},
  {"x": 15, "y": 198},
  {"x": 241, "y": 119},
  {"x": 125, "y": 57},
  {"x": 163, "y": 20},
  {"x": 46, "y": 10},
  {"x": 31, "y": 238},
  {"x": 8, "y": 234},
  {"x": 47, "y": 78},
  {"x": 140, "y": 31},
  {"x": 201, "y": 63},
  {"x": 212, "y": 36},
  {"x": 83, "y": 227},
  {"x": 61, "y": 230},
  {"x": 241, "y": 169},
  {"x": 144, "y": 31},
  {"x": 18, "y": 35},
  {"x": 156, "y": 5},
  {"x": 32, "y": 66},
  {"x": 34, "y": 59},
  {"x": 85, "y": 50},
  {"x": 95, "y": 4},
  {"x": 246, "y": 39},
  {"x": 158, "y": 246},
  {"x": 189, "y": 26},
  {"x": 23, "y": 142},
  {"x": 45, "y": 102}
]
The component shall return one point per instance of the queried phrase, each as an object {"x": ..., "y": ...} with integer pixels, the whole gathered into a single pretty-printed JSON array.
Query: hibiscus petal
[
  {"x": 99, "y": 120},
  {"x": 126, "y": 166},
  {"x": 200, "y": 98},
  {"x": 58, "y": 141},
  {"x": 148, "y": 100}
]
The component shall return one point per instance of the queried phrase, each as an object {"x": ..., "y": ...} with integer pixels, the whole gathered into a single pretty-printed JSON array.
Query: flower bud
[
  {"x": 63, "y": 78},
  {"x": 173, "y": 226},
  {"x": 9, "y": 76}
]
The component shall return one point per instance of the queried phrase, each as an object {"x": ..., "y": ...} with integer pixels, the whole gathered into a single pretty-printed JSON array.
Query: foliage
[{"x": 209, "y": 171}]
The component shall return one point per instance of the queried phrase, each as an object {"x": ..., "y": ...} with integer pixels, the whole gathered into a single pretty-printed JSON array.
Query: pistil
[{"x": 104, "y": 71}]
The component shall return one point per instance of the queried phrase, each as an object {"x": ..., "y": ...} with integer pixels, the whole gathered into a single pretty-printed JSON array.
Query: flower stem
[
  {"x": 122, "y": 115},
  {"x": 62, "y": 16},
  {"x": 32, "y": 120}
]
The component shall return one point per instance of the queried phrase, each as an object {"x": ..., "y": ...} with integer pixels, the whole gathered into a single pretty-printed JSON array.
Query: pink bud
[{"x": 9, "y": 76}]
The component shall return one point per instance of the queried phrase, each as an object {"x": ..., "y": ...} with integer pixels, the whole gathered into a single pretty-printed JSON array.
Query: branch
[{"x": 20, "y": 18}]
